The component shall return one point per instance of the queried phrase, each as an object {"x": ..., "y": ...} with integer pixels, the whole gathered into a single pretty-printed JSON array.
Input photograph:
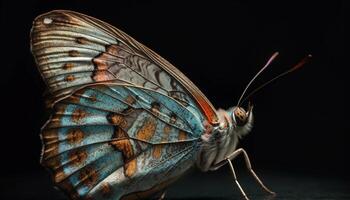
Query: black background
[{"x": 301, "y": 124}]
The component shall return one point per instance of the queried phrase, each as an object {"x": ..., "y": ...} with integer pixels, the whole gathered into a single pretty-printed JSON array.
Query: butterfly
[{"x": 125, "y": 122}]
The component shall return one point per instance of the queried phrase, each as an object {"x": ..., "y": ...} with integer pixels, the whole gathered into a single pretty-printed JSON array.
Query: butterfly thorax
[{"x": 222, "y": 140}]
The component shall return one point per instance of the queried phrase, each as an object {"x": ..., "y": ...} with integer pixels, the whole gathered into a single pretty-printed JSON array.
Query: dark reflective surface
[{"x": 204, "y": 186}]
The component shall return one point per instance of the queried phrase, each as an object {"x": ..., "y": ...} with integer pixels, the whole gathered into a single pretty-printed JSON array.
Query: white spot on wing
[{"x": 47, "y": 20}]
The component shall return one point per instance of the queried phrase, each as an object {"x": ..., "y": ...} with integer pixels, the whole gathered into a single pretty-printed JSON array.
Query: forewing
[
  {"x": 107, "y": 139},
  {"x": 73, "y": 49}
]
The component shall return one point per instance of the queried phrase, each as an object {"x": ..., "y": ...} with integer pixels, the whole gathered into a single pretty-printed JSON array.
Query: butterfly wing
[
  {"x": 125, "y": 122},
  {"x": 72, "y": 49},
  {"x": 111, "y": 140}
]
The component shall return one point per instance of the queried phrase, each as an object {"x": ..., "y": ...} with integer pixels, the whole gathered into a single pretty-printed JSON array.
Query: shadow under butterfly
[{"x": 126, "y": 123}]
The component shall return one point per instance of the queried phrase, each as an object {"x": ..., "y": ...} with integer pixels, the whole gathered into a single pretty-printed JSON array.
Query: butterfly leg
[
  {"x": 249, "y": 166},
  {"x": 235, "y": 179}
]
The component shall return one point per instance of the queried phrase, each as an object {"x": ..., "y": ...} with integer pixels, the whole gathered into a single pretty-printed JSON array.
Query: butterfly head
[
  {"x": 239, "y": 116},
  {"x": 242, "y": 119}
]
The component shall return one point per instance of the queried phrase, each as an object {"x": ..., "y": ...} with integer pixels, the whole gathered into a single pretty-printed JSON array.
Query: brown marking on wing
[
  {"x": 59, "y": 176},
  {"x": 120, "y": 51},
  {"x": 68, "y": 66},
  {"x": 93, "y": 98},
  {"x": 157, "y": 151},
  {"x": 78, "y": 115},
  {"x": 70, "y": 78},
  {"x": 182, "y": 135},
  {"x": 75, "y": 136},
  {"x": 100, "y": 76},
  {"x": 147, "y": 130},
  {"x": 125, "y": 146},
  {"x": 56, "y": 118},
  {"x": 50, "y": 150},
  {"x": 50, "y": 136},
  {"x": 81, "y": 40},
  {"x": 100, "y": 63},
  {"x": 77, "y": 157},
  {"x": 73, "y": 53},
  {"x": 88, "y": 176},
  {"x": 117, "y": 119},
  {"x": 106, "y": 190},
  {"x": 130, "y": 168},
  {"x": 73, "y": 99},
  {"x": 104, "y": 60},
  {"x": 130, "y": 100},
  {"x": 113, "y": 49}
]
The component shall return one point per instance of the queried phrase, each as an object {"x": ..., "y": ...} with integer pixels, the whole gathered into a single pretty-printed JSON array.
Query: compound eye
[{"x": 240, "y": 116}]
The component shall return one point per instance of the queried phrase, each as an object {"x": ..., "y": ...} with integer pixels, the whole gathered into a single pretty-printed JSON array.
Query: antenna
[
  {"x": 256, "y": 75},
  {"x": 297, "y": 66}
]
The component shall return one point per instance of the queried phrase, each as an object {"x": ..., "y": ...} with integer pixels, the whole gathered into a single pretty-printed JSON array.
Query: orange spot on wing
[
  {"x": 77, "y": 157},
  {"x": 147, "y": 131},
  {"x": 78, "y": 115},
  {"x": 75, "y": 136},
  {"x": 73, "y": 53},
  {"x": 157, "y": 151},
  {"x": 130, "y": 168},
  {"x": 130, "y": 100},
  {"x": 113, "y": 49},
  {"x": 107, "y": 59},
  {"x": 82, "y": 40},
  {"x": 59, "y": 176},
  {"x": 70, "y": 78},
  {"x": 124, "y": 146},
  {"x": 99, "y": 76},
  {"x": 182, "y": 135},
  {"x": 68, "y": 66},
  {"x": 118, "y": 120},
  {"x": 88, "y": 176}
]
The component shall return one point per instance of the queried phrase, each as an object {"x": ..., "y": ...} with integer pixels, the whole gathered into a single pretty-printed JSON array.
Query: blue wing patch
[{"x": 111, "y": 137}]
